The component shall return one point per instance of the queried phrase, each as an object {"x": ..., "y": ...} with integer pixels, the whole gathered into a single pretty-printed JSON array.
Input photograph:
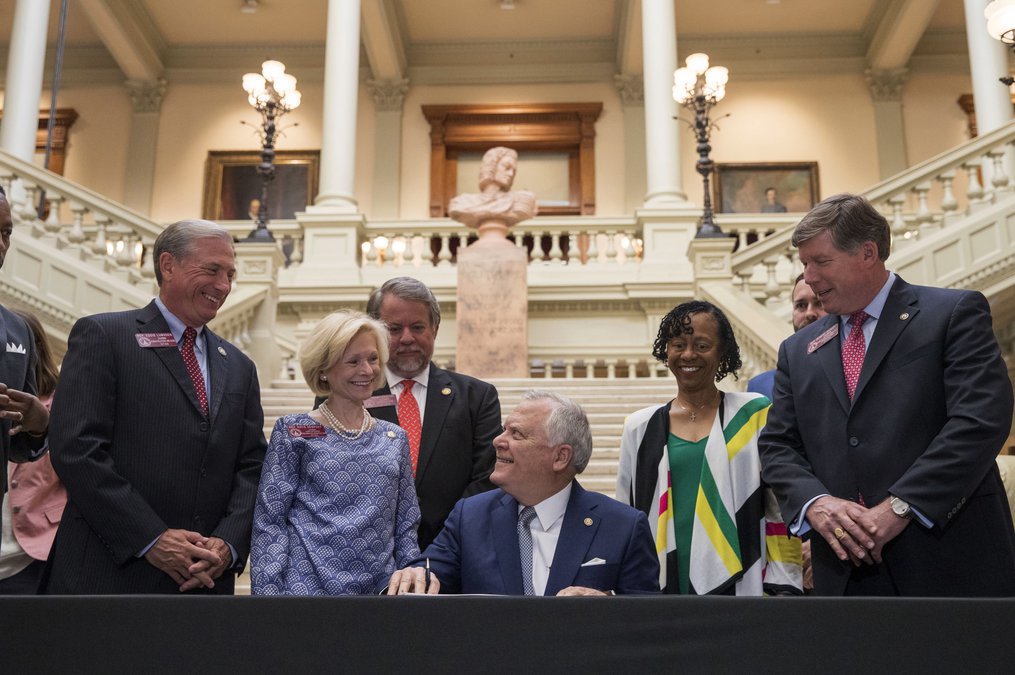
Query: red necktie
[
  {"x": 853, "y": 351},
  {"x": 190, "y": 360},
  {"x": 408, "y": 419}
]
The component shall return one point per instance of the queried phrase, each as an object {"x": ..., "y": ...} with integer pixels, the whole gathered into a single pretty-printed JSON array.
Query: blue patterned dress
[{"x": 334, "y": 516}]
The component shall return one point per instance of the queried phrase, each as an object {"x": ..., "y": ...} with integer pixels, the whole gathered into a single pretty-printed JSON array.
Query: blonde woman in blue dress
[{"x": 336, "y": 511}]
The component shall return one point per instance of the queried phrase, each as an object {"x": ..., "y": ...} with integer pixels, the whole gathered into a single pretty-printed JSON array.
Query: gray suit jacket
[
  {"x": 138, "y": 456},
  {"x": 932, "y": 407},
  {"x": 17, "y": 371}
]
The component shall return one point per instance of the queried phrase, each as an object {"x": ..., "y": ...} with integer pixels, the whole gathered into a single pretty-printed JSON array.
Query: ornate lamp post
[
  {"x": 698, "y": 88},
  {"x": 1001, "y": 26},
  {"x": 272, "y": 93}
]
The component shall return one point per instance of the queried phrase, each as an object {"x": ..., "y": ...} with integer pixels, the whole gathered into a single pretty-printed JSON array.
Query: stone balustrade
[
  {"x": 76, "y": 219},
  {"x": 918, "y": 203}
]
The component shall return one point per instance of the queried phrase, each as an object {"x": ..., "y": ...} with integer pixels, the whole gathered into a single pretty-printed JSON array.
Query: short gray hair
[
  {"x": 850, "y": 220},
  {"x": 567, "y": 424},
  {"x": 406, "y": 288},
  {"x": 180, "y": 238}
]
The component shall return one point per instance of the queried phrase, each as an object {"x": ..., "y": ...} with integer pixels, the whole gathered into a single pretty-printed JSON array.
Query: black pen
[{"x": 426, "y": 587}]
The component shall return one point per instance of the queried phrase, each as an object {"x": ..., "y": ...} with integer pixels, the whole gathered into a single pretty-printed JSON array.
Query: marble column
[
  {"x": 26, "y": 59},
  {"x": 388, "y": 95},
  {"x": 662, "y": 146},
  {"x": 988, "y": 60},
  {"x": 632, "y": 99},
  {"x": 146, "y": 97},
  {"x": 341, "y": 91},
  {"x": 889, "y": 127}
]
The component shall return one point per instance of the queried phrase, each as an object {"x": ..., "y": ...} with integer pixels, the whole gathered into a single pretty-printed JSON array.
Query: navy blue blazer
[
  {"x": 477, "y": 551},
  {"x": 932, "y": 407}
]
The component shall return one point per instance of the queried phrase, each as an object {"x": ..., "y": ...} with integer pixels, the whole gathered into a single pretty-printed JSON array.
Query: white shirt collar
[
  {"x": 552, "y": 509},
  {"x": 423, "y": 378}
]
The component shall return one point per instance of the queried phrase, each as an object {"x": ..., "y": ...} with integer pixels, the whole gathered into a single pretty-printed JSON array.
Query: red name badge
[
  {"x": 381, "y": 401},
  {"x": 307, "y": 431},
  {"x": 822, "y": 339},
  {"x": 150, "y": 340}
]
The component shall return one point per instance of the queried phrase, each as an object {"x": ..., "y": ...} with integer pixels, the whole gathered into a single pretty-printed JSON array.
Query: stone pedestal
[{"x": 492, "y": 312}]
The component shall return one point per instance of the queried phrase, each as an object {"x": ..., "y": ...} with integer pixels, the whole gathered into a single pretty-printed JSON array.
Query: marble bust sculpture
[{"x": 496, "y": 205}]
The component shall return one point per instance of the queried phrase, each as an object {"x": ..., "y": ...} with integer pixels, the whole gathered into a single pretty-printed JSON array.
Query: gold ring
[{"x": 839, "y": 533}]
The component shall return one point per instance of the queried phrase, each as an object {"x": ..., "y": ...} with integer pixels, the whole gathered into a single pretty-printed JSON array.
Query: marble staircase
[{"x": 607, "y": 402}]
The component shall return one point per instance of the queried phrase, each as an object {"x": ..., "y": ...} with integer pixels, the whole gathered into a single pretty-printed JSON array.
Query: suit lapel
[
  {"x": 150, "y": 320},
  {"x": 901, "y": 302},
  {"x": 576, "y": 534},
  {"x": 217, "y": 369},
  {"x": 829, "y": 355},
  {"x": 438, "y": 404},
  {"x": 504, "y": 526}
]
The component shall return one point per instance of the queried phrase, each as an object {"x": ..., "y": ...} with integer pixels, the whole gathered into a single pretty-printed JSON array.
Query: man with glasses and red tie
[
  {"x": 887, "y": 415},
  {"x": 451, "y": 419},
  {"x": 157, "y": 435}
]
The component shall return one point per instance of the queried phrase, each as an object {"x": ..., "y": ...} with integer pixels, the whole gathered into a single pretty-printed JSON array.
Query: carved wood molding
[
  {"x": 65, "y": 117},
  {"x": 538, "y": 127}
]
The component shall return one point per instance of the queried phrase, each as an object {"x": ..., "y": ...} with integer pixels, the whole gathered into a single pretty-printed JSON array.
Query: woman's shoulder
[{"x": 639, "y": 417}]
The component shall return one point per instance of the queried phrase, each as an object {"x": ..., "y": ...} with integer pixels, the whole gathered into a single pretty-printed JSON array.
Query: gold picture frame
[
  {"x": 232, "y": 186},
  {"x": 743, "y": 187}
]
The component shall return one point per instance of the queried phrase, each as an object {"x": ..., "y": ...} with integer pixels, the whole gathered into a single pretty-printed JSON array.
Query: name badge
[
  {"x": 150, "y": 340},
  {"x": 823, "y": 338},
  {"x": 381, "y": 401},
  {"x": 307, "y": 431}
]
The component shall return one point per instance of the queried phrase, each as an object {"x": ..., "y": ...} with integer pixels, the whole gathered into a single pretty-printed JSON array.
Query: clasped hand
[
  {"x": 189, "y": 558},
  {"x": 855, "y": 533},
  {"x": 25, "y": 411}
]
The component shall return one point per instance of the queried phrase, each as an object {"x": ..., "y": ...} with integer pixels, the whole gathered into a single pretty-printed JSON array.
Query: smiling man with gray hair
[{"x": 540, "y": 533}]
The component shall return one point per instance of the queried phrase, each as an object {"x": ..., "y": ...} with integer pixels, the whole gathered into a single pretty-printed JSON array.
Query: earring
[{"x": 324, "y": 378}]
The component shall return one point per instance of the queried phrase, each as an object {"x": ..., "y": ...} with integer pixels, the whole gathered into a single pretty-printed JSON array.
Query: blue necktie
[{"x": 525, "y": 518}]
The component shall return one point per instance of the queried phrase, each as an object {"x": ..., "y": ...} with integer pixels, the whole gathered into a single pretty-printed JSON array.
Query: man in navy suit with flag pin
[
  {"x": 541, "y": 532},
  {"x": 887, "y": 416},
  {"x": 157, "y": 435}
]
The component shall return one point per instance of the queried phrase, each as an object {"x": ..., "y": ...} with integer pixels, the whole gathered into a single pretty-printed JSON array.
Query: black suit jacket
[
  {"x": 138, "y": 456},
  {"x": 17, "y": 371},
  {"x": 460, "y": 421},
  {"x": 932, "y": 407}
]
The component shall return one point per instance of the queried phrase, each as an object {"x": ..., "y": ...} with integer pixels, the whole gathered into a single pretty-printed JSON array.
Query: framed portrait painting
[
  {"x": 765, "y": 187},
  {"x": 232, "y": 186}
]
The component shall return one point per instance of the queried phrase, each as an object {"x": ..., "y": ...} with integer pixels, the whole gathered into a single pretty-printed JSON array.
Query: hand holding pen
[{"x": 415, "y": 581}]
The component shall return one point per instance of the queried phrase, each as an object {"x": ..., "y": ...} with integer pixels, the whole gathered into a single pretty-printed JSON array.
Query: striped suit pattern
[{"x": 138, "y": 456}]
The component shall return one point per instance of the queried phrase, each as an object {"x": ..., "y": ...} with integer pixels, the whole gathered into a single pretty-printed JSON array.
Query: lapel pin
[
  {"x": 588, "y": 522},
  {"x": 222, "y": 351},
  {"x": 904, "y": 316},
  {"x": 446, "y": 391},
  {"x": 391, "y": 434}
]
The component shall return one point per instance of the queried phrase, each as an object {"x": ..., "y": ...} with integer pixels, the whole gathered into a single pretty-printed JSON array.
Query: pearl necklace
[
  {"x": 693, "y": 413},
  {"x": 329, "y": 417}
]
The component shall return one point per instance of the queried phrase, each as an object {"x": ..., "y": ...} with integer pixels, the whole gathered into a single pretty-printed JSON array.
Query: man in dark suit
[
  {"x": 540, "y": 533},
  {"x": 453, "y": 447},
  {"x": 157, "y": 434},
  {"x": 887, "y": 451},
  {"x": 19, "y": 407}
]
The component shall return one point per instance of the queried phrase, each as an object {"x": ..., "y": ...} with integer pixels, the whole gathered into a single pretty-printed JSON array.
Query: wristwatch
[{"x": 901, "y": 507}]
